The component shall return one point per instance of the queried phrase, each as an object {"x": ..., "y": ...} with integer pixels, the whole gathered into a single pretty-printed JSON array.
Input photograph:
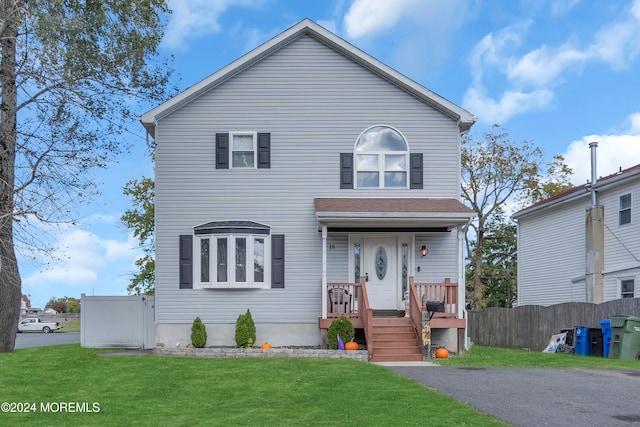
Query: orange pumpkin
[
  {"x": 265, "y": 346},
  {"x": 442, "y": 353},
  {"x": 351, "y": 345}
]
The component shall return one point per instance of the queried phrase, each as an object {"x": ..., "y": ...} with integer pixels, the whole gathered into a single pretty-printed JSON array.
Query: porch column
[
  {"x": 324, "y": 271},
  {"x": 462, "y": 292}
]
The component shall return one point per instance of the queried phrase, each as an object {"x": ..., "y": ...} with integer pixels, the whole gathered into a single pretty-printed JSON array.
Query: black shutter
[
  {"x": 346, "y": 170},
  {"x": 264, "y": 150},
  {"x": 222, "y": 151},
  {"x": 186, "y": 261},
  {"x": 277, "y": 261},
  {"x": 416, "y": 171}
]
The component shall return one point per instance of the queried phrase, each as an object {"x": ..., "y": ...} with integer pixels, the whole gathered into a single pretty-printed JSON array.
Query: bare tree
[{"x": 72, "y": 74}]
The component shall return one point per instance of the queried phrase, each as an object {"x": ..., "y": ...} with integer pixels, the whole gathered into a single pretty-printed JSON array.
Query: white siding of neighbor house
[
  {"x": 551, "y": 255},
  {"x": 622, "y": 242},
  {"x": 551, "y": 250},
  {"x": 315, "y": 103}
]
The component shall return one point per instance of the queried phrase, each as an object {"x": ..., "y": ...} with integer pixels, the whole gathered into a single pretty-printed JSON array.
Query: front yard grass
[
  {"x": 157, "y": 390},
  {"x": 504, "y": 358}
]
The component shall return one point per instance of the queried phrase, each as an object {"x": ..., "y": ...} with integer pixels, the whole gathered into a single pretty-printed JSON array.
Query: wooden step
[{"x": 394, "y": 339}]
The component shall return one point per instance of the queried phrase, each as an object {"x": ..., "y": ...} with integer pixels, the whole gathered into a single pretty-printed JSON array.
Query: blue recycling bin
[
  {"x": 606, "y": 336},
  {"x": 582, "y": 344}
]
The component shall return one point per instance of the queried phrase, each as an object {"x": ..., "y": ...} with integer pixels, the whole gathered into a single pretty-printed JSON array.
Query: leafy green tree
[
  {"x": 140, "y": 219},
  {"x": 497, "y": 171},
  {"x": 499, "y": 272},
  {"x": 73, "y": 77},
  {"x": 58, "y": 304}
]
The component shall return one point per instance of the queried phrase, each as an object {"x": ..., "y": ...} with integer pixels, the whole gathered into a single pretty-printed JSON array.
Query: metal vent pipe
[{"x": 594, "y": 175}]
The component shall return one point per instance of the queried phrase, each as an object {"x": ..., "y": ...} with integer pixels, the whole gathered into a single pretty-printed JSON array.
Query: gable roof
[
  {"x": 581, "y": 190},
  {"x": 307, "y": 27}
]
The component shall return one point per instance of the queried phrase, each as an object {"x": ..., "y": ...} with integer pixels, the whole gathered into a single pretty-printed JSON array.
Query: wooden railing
[
  {"x": 415, "y": 309},
  {"x": 446, "y": 293},
  {"x": 350, "y": 300}
]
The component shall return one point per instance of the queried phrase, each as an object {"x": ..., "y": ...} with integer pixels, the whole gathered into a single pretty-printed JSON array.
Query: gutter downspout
[
  {"x": 462, "y": 306},
  {"x": 324, "y": 271}
]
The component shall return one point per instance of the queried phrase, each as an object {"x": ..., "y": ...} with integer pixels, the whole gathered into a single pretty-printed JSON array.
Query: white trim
[
  {"x": 625, "y": 278},
  {"x": 254, "y": 136},
  {"x": 231, "y": 282},
  {"x": 630, "y": 208},
  {"x": 381, "y": 157},
  {"x": 324, "y": 272}
]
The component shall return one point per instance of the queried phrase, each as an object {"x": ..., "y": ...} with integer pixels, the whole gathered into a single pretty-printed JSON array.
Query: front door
[{"x": 381, "y": 267}]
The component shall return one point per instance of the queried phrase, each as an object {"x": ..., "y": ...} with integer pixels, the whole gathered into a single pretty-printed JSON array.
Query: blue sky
[{"x": 561, "y": 73}]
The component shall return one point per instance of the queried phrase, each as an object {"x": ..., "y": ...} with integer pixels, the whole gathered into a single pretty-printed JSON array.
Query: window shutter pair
[
  {"x": 186, "y": 261},
  {"x": 415, "y": 171},
  {"x": 263, "y": 154}
]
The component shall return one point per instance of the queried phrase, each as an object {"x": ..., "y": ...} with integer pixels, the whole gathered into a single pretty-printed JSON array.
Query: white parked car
[{"x": 33, "y": 324}]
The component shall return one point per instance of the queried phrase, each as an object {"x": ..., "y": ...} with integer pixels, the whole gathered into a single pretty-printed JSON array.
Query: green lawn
[
  {"x": 500, "y": 357},
  {"x": 169, "y": 391}
]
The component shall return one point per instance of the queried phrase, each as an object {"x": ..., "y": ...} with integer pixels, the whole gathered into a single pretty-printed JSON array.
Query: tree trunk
[{"x": 10, "y": 283}]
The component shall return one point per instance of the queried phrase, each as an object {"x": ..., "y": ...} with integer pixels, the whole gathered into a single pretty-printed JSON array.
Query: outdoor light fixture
[{"x": 424, "y": 251}]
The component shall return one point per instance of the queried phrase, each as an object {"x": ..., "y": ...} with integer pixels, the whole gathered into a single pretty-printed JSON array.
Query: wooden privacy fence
[{"x": 531, "y": 326}]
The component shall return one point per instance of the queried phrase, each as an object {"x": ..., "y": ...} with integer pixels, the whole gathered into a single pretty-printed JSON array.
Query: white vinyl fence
[{"x": 117, "y": 321}]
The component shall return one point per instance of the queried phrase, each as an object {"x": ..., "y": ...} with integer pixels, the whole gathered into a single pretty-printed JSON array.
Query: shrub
[
  {"x": 245, "y": 330},
  {"x": 198, "y": 333},
  {"x": 342, "y": 327}
]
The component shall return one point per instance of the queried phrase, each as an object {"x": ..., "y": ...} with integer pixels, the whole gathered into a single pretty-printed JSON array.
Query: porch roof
[{"x": 403, "y": 213}]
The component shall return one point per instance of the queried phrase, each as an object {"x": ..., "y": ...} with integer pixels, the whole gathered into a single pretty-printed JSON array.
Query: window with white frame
[
  {"x": 381, "y": 158},
  {"x": 232, "y": 255},
  {"x": 627, "y": 288},
  {"x": 243, "y": 149},
  {"x": 625, "y": 209}
]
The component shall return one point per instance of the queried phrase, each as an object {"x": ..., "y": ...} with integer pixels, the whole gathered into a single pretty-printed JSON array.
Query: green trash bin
[{"x": 625, "y": 337}]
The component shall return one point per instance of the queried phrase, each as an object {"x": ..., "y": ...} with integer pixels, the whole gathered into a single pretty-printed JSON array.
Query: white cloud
[
  {"x": 614, "y": 152},
  {"x": 634, "y": 119},
  {"x": 82, "y": 262},
  {"x": 562, "y": 7},
  {"x": 367, "y": 18},
  {"x": 539, "y": 70},
  {"x": 195, "y": 18},
  {"x": 510, "y": 104}
]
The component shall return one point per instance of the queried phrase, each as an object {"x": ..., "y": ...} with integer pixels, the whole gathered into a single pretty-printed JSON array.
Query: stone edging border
[{"x": 213, "y": 352}]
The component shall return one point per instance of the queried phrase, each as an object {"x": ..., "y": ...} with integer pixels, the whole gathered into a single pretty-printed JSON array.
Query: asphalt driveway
[
  {"x": 39, "y": 339},
  {"x": 540, "y": 397}
]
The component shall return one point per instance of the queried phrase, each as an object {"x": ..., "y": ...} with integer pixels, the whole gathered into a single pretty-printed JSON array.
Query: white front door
[{"x": 381, "y": 267}]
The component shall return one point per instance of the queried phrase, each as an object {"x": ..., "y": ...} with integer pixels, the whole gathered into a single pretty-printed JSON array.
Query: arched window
[{"x": 382, "y": 158}]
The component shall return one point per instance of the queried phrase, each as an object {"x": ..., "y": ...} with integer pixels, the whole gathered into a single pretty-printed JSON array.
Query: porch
[{"x": 394, "y": 335}]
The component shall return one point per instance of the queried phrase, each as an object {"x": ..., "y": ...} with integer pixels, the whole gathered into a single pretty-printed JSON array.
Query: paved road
[
  {"x": 540, "y": 397},
  {"x": 39, "y": 339}
]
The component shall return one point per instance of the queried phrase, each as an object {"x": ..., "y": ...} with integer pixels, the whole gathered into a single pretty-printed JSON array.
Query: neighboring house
[
  {"x": 33, "y": 311},
  {"x": 24, "y": 305},
  {"x": 50, "y": 311},
  {"x": 569, "y": 251},
  {"x": 302, "y": 182}
]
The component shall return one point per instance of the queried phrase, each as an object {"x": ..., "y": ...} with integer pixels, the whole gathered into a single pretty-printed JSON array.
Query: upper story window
[
  {"x": 625, "y": 209},
  {"x": 381, "y": 158},
  {"x": 243, "y": 149}
]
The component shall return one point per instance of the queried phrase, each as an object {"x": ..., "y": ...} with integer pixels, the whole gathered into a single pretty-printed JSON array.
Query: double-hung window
[
  {"x": 624, "y": 214},
  {"x": 243, "y": 149},
  {"x": 382, "y": 158},
  {"x": 627, "y": 288},
  {"x": 232, "y": 255}
]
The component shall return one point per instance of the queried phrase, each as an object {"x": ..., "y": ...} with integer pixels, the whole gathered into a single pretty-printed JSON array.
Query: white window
[
  {"x": 625, "y": 209},
  {"x": 381, "y": 158},
  {"x": 627, "y": 288},
  {"x": 243, "y": 149},
  {"x": 232, "y": 260}
]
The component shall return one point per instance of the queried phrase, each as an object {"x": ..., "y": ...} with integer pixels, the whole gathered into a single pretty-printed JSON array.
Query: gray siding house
[
  {"x": 572, "y": 250},
  {"x": 305, "y": 181}
]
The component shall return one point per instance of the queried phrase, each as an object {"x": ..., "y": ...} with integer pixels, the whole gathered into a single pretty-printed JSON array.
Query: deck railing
[
  {"x": 350, "y": 300},
  {"x": 446, "y": 293}
]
